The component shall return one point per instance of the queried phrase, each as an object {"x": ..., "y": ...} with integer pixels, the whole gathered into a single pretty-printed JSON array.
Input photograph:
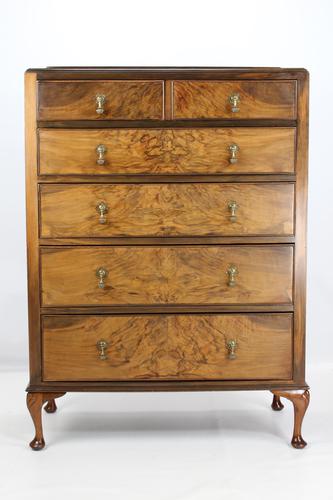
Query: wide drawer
[
  {"x": 183, "y": 347},
  {"x": 167, "y": 151},
  {"x": 202, "y": 209},
  {"x": 234, "y": 99},
  {"x": 152, "y": 275},
  {"x": 100, "y": 100}
]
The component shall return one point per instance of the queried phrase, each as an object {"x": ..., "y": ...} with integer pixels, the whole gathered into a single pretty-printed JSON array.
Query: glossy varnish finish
[
  {"x": 167, "y": 347},
  {"x": 127, "y": 100},
  {"x": 258, "y": 99},
  {"x": 167, "y": 151},
  {"x": 167, "y": 275},
  {"x": 166, "y": 308},
  {"x": 166, "y": 210}
]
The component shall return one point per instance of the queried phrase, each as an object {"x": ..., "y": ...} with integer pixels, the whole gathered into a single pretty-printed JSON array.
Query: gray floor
[{"x": 186, "y": 446}]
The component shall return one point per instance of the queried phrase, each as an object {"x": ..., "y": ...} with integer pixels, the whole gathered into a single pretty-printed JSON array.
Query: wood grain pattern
[
  {"x": 30, "y": 88},
  {"x": 166, "y": 210},
  {"x": 167, "y": 275},
  {"x": 167, "y": 347},
  {"x": 125, "y": 100},
  {"x": 167, "y": 151},
  {"x": 258, "y": 99},
  {"x": 301, "y": 227}
]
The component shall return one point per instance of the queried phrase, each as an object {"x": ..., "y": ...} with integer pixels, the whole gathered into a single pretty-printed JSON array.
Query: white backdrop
[{"x": 36, "y": 33}]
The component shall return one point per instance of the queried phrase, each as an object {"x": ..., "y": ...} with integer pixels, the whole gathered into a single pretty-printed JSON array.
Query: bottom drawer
[{"x": 170, "y": 346}]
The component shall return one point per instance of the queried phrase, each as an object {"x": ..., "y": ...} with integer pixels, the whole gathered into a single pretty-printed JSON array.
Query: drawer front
[
  {"x": 102, "y": 100},
  {"x": 167, "y": 151},
  {"x": 182, "y": 347},
  {"x": 152, "y": 275},
  {"x": 234, "y": 99},
  {"x": 97, "y": 210}
]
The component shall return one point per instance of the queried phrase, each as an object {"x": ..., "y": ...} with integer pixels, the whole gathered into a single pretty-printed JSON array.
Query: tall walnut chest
[{"x": 166, "y": 232}]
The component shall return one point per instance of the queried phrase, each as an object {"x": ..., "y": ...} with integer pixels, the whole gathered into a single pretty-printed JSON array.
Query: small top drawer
[
  {"x": 100, "y": 100},
  {"x": 234, "y": 99}
]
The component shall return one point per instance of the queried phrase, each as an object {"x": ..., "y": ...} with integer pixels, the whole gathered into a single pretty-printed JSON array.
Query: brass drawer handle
[
  {"x": 101, "y": 274},
  {"x": 232, "y": 205},
  {"x": 231, "y": 346},
  {"x": 100, "y": 150},
  {"x": 233, "y": 148},
  {"x": 102, "y": 346},
  {"x": 100, "y": 101},
  {"x": 102, "y": 209},
  {"x": 232, "y": 273},
  {"x": 234, "y": 100}
]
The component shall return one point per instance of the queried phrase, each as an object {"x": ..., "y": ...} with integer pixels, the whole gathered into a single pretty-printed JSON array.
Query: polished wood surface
[
  {"x": 35, "y": 401},
  {"x": 300, "y": 401},
  {"x": 167, "y": 73},
  {"x": 166, "y": 210},
  {"x": 167, "y": 133},
  {"x": 167, "y": 275},
  {"x": 125, "y": 100},
  {"x": 167, "y": 347},
  {"x": 258, "y": 99},
  {"x": 30, "y": 87},
  {"x": 301, "y": 227},
  {"x": 167, "y": 151}
]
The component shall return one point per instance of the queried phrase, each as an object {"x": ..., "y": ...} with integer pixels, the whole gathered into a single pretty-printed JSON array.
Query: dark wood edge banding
[
  {"x": 167, "y": 73},
  {"x": 167, "y": 123},
  {"x": 168, "y": 309},
  {"x": 157, "y": 179},
  {"x": 202, "y": 240}
]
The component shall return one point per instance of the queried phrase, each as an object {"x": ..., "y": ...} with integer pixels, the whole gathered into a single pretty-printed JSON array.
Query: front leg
[
  {"x": 300, "y": 402},
  {"x": 35, "y": 401}
]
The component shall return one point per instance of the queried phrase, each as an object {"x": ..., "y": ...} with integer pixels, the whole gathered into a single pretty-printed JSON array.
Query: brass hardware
[
  {"x": 100, "y": 101},
  {"x": 232, "y": 272},
  {"x": 100, "y": 150},
  {"x": 234, "y": 100},
  {"x": 232, "y": 205},
  {"x": 102, "y": 209},
  {"x": 233, "y": 148},
  {"x": 231, "y": 346},
  {"x": 102, "y": 346},
  {"x": 101, "y": 274}
]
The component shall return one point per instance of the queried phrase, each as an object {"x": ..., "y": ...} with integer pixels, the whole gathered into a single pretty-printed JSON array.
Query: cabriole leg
[
  {"x": 300, "y": 401},
  {"x": 50, "y": 406},
  {"x": 35, "y": 401},
  {"x": 276, "y": 403}
]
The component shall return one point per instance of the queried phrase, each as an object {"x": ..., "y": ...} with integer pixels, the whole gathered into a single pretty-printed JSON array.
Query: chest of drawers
[{"x": 166, "y": 226}]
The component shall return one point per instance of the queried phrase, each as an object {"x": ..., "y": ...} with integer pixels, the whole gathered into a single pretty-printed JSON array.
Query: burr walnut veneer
[{"x": 166, "y": 226}]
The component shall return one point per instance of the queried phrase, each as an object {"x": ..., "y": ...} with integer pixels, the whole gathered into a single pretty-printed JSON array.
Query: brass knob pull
[
  {"x": 232, "y": 273},
  {"x": 100, "y": 101},
  {"x": 102, "y": 209},
  {"x": 100, "y": 150},
  {"x": 232, "y": 205},
  {"x": 101, "y": 274},
  {"x": 102, "y": 346},
  {"x": 233, "y": 148},
  {"x": 231, "y": 346},
  {"x": 234, "y": 100}
]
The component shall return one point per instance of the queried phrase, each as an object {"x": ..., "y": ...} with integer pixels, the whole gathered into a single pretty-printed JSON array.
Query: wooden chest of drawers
[{"x": 166, "y": 226}]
